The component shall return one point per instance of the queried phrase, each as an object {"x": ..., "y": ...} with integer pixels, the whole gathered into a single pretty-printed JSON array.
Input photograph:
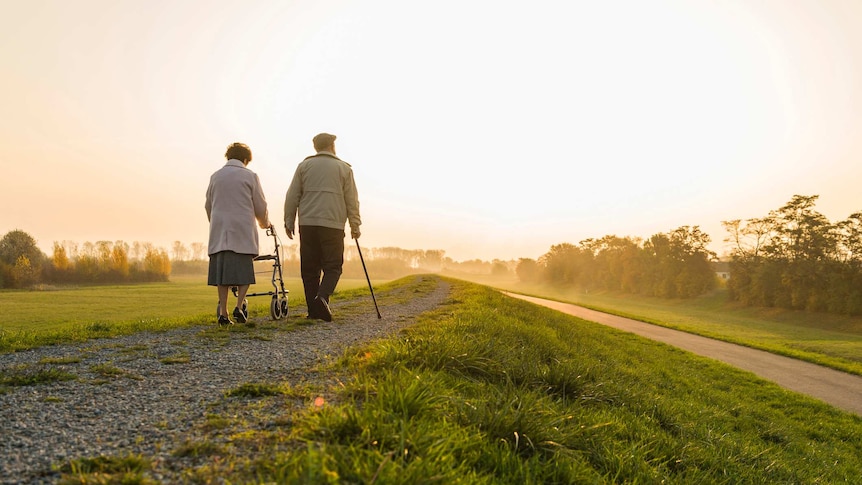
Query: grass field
[
  {"x": 831, "y": 340},
  {"x": 492, "y": 390},
  {"x": 61, "y": 314}
]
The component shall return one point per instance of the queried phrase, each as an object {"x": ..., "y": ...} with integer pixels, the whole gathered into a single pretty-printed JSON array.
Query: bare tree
[
  {"x": 180, "y": 251},
  {"x": 137, "y": 251},
  {"x": 749, "y": 238},
  {"x": 198, "y": 251}
]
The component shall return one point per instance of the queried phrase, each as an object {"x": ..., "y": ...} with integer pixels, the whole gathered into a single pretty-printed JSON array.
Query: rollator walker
[{"x": 278, "y": 308}]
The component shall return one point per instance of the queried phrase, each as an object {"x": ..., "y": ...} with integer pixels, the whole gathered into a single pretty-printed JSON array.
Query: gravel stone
[{"x": 126, "y": 400}]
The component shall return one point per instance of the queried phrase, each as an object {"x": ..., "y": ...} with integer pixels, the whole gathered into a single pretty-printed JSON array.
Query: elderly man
[{"x": 324, "y": 195}]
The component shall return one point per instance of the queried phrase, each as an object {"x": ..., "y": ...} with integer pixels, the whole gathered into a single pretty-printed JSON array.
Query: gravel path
[{"x": 137, "y": 393}]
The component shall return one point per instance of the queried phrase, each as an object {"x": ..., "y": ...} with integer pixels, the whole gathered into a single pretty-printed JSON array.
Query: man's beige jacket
[{"x": 323, "y": 192}]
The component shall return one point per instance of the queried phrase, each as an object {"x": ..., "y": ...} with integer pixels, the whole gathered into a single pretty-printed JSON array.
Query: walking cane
[{"x": 369, "y": 280}]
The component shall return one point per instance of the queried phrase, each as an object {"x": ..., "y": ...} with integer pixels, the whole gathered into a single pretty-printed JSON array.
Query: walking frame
[{"x": 278, "y": 307}]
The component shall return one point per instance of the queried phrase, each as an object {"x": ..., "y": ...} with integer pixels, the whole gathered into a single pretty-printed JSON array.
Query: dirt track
[{"x": 837, "y": 388}]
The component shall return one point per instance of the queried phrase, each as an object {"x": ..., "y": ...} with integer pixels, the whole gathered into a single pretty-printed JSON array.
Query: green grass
[
  {"x": 36, "y": 318},
  {"x": 491, "y": 390},
  {"x": 256, "y": 389},
  {"x": 29, "y": 375},
  {"x": 181, "y": 358},
  {"x": 39, "y": 311},
  {"x": 126, "y": 470},
  {"x": 830, "y": 340}
]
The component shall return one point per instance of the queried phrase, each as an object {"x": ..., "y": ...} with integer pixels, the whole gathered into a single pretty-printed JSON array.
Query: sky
[{"x": 487, "y": 129}]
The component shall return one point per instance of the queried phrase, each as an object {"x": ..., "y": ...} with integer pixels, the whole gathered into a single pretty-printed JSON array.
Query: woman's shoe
[
  {"x": 222, "y": 320},
  {"x": 240, "y": 315}
]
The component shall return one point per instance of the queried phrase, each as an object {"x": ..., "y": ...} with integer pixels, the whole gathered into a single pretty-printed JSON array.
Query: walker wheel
[{"x": 275, "y": 309}]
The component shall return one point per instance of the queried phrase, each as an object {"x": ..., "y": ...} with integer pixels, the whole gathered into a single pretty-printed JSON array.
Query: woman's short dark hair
[{"x": 238, "y": 151}]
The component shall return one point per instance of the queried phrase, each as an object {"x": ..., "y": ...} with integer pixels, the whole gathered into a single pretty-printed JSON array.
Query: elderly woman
[{"x": 234, "y": 201}]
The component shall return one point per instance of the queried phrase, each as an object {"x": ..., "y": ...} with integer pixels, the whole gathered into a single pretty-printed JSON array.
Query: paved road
[{"x": 837, "y": 388}]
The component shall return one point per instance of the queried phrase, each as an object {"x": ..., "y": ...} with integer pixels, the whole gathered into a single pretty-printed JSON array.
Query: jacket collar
[
  {"x": 326, "y": 154},
  {"x": 233, "y": 162}
]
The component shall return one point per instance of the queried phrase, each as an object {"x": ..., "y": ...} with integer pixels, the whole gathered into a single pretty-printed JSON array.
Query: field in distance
[{"x": 183, "y": 297}]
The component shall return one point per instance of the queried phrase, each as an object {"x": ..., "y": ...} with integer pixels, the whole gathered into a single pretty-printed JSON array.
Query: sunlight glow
[{"x": 487, "y": 129}]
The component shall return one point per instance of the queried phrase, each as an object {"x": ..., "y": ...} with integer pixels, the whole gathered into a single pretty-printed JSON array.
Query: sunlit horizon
[{"x": 489, "y": 130}]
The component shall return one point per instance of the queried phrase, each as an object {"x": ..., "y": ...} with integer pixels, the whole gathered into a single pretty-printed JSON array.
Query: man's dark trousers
[{"x": 321, "y": 249}]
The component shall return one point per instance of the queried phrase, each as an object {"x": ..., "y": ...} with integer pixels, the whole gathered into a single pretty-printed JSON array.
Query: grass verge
[{"x": 830, "y": 340}]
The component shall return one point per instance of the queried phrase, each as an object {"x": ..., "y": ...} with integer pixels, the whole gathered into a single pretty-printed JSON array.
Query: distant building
[{"x": 722, "y": 269}]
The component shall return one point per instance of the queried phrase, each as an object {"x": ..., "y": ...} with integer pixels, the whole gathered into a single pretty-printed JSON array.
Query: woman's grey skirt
[{"x": 231, "y": 269}]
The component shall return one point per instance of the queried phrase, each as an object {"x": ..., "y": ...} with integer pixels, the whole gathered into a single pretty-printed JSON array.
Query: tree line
[
  {"x": 382, "y": 262},
  {"x": 796, "y": 258},
  {"x": 793, "y": 258},
  {"x": 23, "y": 264},
  {"x": 394, "y": 262},
  {"x": 676, "y": 264}
]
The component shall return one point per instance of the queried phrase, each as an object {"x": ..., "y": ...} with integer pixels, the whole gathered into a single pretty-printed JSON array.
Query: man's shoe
[
  {"x": 323, "y": 310},
  {"x": 240, "y": 315},
  {"x": 222, "y": 321}
]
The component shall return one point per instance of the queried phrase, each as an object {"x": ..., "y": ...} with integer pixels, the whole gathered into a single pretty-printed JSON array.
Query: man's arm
[
  {"x": 351, "y": 199},
  {"x": 291, "y": 203}
]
